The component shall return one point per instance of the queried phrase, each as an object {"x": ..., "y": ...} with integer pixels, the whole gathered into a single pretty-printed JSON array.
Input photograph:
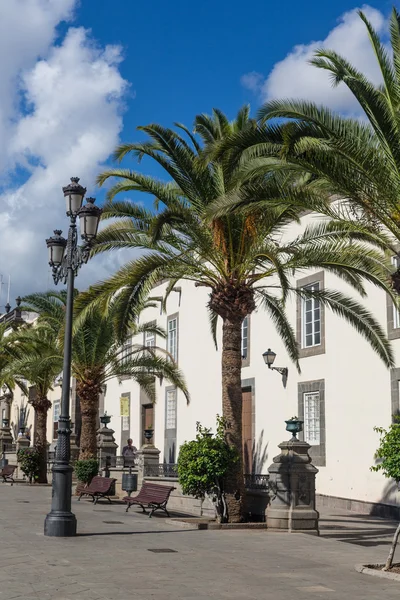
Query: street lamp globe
[
  {"x": 73, "y": 194},
  {"x": 269, "y": 357},
  {"x": 89, "y": 218},
  {"x": 56, "y": 247}
]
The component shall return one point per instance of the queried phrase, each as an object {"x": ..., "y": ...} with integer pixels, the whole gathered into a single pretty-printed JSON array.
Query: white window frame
[
  {"x": 172, "y": 338},
  {"x": 171, "y": 410},
  {"x": 244, "y": 348},
  {"x": 314, "y": 302},
  {"x": 149, "y": 339},
  {"x": 58, "y": 405},
  {"x": 312, "y": 420},
  {"x": 396, "y": 311},
  {"x": 126, "y": 349}
]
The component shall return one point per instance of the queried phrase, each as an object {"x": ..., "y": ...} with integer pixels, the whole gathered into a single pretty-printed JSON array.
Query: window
[
  {"x": 126, "y": 349},
  {"x": 245, "y": 337},
  {"x": 171, "y": 410},
  {"x": 396, "y": 312},
  {"x": 22, "y": 416},
  {"x": 311, "y": 318},
  {"x": 170, "y": 425},
  {"x": 312, "y": 422},
  {"x": 56, "y": 416},
  {"x": 311, "y": 410},
  {"x": 149, "y": 339},
  {"x": 172, "y": 340},
  {"x": 3, "y": 415}
]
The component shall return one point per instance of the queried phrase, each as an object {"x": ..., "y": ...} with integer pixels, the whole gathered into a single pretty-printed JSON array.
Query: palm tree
[
  {"x": 39, "y": 361},
  {"x": 98, "y": 355},
  {"x": 239, "y": 258},
  {"x": 7, "y": 353},
  {"x": 355, "y": 161}
]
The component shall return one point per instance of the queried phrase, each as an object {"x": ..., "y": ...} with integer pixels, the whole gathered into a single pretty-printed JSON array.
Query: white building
[{"x": 342, "y": 392}]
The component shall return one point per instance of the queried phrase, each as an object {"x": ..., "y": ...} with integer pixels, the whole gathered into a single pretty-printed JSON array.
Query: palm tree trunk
[
  {"x": 89, "y": 399},
  {"x": 232, "y": 412},
  {"x": 41, "y": 407}
]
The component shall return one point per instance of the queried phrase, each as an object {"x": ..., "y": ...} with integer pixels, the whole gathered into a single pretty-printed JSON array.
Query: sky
[{"x": 79, "y": 77}]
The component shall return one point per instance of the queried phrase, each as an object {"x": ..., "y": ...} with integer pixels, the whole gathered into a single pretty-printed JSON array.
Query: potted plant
[
  {"x": 105, "y": 419},
  {"x": 204, "y": 464},
  {"x": 85, "y": 470},
  {"x": 29, "y": 460},
  {"x": 148, "y": 433},
  {"x": 294, "y": 425}
]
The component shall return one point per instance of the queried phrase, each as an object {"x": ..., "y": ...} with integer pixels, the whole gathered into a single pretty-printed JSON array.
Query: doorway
[{"x": 247, "y": 429}]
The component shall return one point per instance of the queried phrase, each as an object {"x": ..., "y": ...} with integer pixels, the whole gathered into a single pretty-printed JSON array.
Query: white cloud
[
  {"x": 252, "y": 81},
  {"x": 60, "y": 116},
  {"x": 294, "y": 77}
]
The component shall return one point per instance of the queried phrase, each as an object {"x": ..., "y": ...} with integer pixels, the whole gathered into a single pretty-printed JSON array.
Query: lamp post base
[{"x": 60, "y": 524}]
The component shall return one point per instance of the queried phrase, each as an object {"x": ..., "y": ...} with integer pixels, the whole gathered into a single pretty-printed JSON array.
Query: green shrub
[
  {"x": 389, "y": 451},
  {"x": 203, "y": 465},
  {"x": 29, "y": 460},
  {"x": 85, "y": 470}
]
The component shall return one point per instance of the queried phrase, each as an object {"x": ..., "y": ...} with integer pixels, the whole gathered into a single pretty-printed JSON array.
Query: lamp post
[{"x": 65, "y": 258}]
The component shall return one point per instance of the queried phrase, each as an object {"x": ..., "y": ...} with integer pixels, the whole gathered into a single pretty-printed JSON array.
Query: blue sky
[
  {"x": 186, "y": 57},
  {"x": 79, "y": 77}
]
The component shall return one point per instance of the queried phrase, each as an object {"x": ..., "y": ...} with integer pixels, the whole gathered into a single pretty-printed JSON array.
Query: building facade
[{"x": 342, "y": 392}]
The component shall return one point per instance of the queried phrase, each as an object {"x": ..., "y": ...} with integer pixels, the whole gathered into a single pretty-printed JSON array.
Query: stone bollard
[
  {"x": 106, "y": 445},
  {"x": 147, "y": 464},
  {"x": 292, "y": 490}
]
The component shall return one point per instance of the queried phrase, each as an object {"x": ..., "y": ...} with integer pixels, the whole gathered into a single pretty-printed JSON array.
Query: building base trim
[{"x": 373, "y": 509}]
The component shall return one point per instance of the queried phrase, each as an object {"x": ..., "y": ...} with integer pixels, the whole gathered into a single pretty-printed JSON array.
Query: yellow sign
[{"x": 124, "y": 406}]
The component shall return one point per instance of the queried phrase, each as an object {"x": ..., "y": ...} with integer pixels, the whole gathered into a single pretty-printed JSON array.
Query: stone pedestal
[
  {"x": 292, "y": 490},
  {"x": 148, "y": 460},
  {"x": 6, "y": 438},
  {"x": 22, "y": 442},
  {"x": 106, "y": 445}
]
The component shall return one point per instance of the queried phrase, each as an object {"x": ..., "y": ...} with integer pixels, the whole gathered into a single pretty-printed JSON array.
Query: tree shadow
[{"x": 254, "y": 462}]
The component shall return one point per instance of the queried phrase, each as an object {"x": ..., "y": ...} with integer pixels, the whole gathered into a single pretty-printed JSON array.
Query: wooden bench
[
  {"x": 99, "y": 487},
  {"x": 7, "y": 473},
  {"x": 153, "y": 496}
]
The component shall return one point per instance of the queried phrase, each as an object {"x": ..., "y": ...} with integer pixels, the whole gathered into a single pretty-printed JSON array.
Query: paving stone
[{"x": 113, "y": 561}]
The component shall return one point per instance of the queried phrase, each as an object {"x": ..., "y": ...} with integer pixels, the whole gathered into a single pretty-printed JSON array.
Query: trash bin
[{"x": 129, "y": 482}]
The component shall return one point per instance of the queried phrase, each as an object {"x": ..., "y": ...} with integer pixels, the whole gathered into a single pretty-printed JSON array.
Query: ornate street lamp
[
  {"x": 269, "y": 359},
  {"x": 66, "y": 258}
]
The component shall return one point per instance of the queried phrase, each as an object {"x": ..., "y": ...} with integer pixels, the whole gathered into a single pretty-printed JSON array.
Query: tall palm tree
[
  {"x": 39, "y": 361},
  {"x": 355, "y": 161},
  {"x": 98, "y": 355},
  {"x": 241, "y": 259},
  {"x": 7, "y": 353}
]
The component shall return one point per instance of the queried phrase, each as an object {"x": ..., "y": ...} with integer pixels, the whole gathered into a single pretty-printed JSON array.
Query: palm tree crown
[{"x": 356, "y": 161}]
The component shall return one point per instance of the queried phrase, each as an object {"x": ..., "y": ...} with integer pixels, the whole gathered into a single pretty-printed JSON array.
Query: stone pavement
[{"x": 113, "y": 558}]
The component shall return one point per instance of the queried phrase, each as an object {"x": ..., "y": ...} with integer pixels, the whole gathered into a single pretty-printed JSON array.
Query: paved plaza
[{"x": 115, "y": 557}]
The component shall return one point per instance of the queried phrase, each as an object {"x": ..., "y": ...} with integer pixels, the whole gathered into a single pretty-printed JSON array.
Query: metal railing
[
  {"x": 255, "y": 481},
  {"x": 161, "y": 470},
  {"x": 119, "y": 462},
  {"x": 9, "y": 447}
]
